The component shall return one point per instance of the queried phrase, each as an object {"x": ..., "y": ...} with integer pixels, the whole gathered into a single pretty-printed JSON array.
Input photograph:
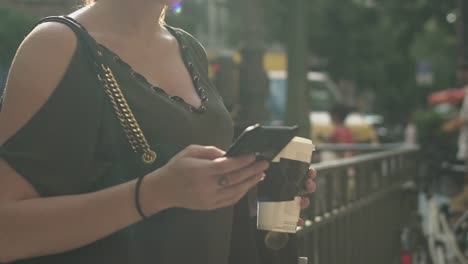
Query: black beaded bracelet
[{"x": 137, "y": 197}]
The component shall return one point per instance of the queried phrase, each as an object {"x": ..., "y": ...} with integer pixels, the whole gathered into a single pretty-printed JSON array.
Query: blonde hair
[{"x": 161, "y": 18}]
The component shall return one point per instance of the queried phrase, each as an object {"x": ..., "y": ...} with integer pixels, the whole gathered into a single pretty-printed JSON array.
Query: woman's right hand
[{"x": 200, "y": 178}]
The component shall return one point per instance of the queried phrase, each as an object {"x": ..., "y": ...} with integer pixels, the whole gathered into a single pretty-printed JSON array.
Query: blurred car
[{"x": 322, "y": 94}]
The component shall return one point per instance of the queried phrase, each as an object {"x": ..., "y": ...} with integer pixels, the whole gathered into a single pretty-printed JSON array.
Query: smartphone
[{"x": 264, "y": 141}]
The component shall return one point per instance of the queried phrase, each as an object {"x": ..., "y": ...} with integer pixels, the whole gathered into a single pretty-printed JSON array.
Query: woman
[{"x": 71, "y": 189}]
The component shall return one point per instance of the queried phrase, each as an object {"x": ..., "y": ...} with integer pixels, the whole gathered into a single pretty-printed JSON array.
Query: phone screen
[{"x": 264, "y": 141}]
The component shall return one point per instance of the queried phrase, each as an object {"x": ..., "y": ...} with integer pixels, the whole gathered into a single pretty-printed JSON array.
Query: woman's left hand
[{"x": 310, "y": 187}]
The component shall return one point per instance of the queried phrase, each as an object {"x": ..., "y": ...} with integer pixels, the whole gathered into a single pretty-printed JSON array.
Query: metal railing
[
  {"x": 358, "y": 210},
  {"x": 364, "y": 147}
]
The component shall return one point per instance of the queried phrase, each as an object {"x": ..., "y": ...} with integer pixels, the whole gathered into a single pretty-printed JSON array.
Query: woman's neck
[{"x": 131, "y": 18}]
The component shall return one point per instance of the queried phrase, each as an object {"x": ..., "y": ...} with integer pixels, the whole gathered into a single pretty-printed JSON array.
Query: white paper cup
[
  {"x": 278, "y": 206},
  {"x": 279, "y": 216}
]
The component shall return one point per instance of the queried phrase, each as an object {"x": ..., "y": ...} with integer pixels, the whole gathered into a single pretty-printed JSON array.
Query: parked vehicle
[{"x": 322, "y": 94}]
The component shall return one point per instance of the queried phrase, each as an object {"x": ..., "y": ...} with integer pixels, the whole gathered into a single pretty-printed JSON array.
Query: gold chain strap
[{"x": 125, "y": 115}]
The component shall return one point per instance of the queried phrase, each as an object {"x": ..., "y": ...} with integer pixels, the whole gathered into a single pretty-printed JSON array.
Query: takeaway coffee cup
[{"x": 278, "y": 204}]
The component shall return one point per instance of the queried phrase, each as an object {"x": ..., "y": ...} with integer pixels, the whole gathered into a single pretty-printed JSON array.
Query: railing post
[{"x": 358, "y": 205}]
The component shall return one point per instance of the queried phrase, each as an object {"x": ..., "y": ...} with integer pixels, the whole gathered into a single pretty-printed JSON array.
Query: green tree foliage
[
  {"x": 192, "y": 15},
  {"x": 14, "y": 26},
  {"x": 434, "y": 143},
  {"x": 378, "y": 45}
]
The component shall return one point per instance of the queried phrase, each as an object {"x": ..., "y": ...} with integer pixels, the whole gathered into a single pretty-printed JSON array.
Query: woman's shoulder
[
  {"x": 38, "y": 67},
  {"x": 44, "y": 55},
  {"x": 47, "y": 39}
]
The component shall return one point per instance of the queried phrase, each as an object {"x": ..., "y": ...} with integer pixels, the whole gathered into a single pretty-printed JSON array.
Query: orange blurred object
[{"x": 451, "y": 96}]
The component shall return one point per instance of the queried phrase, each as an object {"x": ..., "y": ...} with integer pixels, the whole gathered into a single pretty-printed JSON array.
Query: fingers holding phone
[
  {"x": 207, "y": 178},
  {"x": 200, "y": 178}
]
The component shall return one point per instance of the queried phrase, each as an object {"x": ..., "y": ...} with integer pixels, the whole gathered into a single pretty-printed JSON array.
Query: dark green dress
[{"x": 74, "y": 144}]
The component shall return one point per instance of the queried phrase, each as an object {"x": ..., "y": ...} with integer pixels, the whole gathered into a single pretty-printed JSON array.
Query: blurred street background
[
  {"x": 371, "y": 82},
  {"x": 379, "y": 58}
]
